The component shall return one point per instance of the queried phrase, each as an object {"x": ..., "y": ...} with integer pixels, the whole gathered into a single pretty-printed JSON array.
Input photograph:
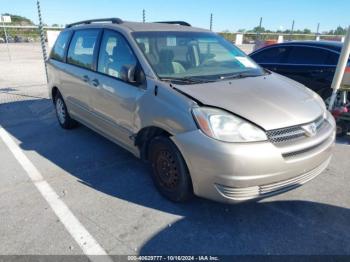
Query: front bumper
[{"x": 235, "y": 172}]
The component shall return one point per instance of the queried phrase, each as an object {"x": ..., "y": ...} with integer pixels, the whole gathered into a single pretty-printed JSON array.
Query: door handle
[
  {"x": 85, "y": 78},
  {"x": 95, "y": 82}
]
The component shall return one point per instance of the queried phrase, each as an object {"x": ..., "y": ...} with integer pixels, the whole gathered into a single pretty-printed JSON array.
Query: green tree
[
  {"x": 339, "y": 31},
  {"x": 258, "y": 29}
]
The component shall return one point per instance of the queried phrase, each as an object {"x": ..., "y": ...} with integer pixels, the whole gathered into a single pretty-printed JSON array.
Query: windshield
[{"x": 194, "y": 55}]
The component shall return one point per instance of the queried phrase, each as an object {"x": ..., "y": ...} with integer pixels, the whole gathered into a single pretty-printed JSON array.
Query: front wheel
[{"x": 170, "y": 173}]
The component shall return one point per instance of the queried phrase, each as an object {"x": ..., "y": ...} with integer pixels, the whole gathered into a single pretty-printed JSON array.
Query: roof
[
  {"x": 135, "y": 26},
  {"x": 178, "y": 26},
  {"x": 334, "y": 45}
]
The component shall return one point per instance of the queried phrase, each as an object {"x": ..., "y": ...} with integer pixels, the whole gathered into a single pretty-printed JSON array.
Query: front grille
[
  {"x": 241, "y": 194},
  {"x": 287, "y": 134}
]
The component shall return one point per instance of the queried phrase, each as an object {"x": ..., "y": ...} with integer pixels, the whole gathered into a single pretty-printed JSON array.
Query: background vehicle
[
  {"x": 311, "y": 63},
  {"x": 10, "y": 39}
]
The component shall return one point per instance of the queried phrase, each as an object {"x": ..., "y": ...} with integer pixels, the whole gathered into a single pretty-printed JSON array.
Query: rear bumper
[{"x": 235, "y": 172}]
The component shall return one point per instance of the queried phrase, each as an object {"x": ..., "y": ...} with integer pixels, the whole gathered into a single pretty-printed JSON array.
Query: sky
[{"x": 229, "y": 15}]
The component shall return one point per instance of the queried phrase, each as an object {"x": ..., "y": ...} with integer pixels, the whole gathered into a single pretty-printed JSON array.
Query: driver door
[{"x": 113, "y": 99}]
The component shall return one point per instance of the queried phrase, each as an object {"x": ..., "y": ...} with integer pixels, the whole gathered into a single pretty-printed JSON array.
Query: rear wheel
[
  {"x": 62, "y": 114},
  {"x": 170, "y": 173}
]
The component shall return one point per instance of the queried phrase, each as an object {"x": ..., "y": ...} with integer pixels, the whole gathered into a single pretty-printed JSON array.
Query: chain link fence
[
  {"x": 32, "y": 34},
  {"x": 252, "y": 38}
]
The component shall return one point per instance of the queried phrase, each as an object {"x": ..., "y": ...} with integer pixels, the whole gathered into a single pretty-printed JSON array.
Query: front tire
[
  {"x": 62, "y": 114},
  {"x": 170, "y": 174}
]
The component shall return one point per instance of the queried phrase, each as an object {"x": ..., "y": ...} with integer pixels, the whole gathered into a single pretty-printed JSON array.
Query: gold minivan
[{"x": 208, "y": 119}]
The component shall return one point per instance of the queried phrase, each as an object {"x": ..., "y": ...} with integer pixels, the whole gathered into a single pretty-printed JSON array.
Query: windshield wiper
[
  {"x": 188, "y": 80},
  {"x": 238, "y": 76}
]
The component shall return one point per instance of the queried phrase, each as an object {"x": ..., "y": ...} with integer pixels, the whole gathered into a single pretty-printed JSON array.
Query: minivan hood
[{"x": 271, "y": 101}]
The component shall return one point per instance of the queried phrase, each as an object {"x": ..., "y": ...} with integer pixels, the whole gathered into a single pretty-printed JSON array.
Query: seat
[{"x": 167, "y": 65}]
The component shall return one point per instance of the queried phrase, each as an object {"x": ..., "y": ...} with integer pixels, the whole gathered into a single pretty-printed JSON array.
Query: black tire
[
  {"x": 63, "y": 117},
  {"x": 169, "y": 171}
]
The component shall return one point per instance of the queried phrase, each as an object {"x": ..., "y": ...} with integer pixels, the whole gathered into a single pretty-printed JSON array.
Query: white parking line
[{"x": 87, "y": 243}]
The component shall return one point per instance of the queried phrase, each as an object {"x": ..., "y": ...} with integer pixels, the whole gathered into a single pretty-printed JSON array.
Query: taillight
[{"x": 347, "y": 69}]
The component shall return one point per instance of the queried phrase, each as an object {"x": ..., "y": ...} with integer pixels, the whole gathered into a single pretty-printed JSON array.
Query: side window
[
  {"x": 307, "y": 55},
  {"x": 58, "y": 50},
  {"x": 271, "y": 55},
  {"x": 115, "y": 53},
  {"x": 81, "y": 49}
]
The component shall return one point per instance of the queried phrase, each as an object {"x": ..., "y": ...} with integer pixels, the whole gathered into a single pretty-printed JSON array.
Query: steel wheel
[
  {"x": 62, "y": 114},
  {"x": 61, "y": 111},
  {"x": 170, "y": 173},
  {"x": 166, "y": 170}
]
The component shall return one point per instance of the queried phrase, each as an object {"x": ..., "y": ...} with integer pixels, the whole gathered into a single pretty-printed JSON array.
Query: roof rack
[
  {"x": 183, "y": 23},
  {"x": 85, "y": 22}
]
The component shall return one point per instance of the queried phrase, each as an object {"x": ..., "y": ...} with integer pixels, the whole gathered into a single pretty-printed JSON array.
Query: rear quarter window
[{"x": 59, "y": 48}]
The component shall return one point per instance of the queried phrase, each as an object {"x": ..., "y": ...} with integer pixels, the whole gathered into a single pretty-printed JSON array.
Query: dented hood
[{"x": 271, "y": 101}]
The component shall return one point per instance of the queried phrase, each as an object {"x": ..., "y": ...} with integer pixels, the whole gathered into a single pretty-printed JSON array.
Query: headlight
[{"x": 226, "y": 127}]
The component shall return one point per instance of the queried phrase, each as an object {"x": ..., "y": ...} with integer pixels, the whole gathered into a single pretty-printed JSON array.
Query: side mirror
[
  {"x": 132, "y": 74},
  {"x": 127, "y": 73}
]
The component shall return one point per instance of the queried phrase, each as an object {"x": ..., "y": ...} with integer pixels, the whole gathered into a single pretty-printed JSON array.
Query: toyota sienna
[{"x": 209, "y": 120}]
